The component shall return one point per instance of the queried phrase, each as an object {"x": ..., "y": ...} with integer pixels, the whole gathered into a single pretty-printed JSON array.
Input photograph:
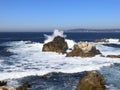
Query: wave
[
  {"x": 113, "y": 40},
  {"x": 28, "y": 59}
]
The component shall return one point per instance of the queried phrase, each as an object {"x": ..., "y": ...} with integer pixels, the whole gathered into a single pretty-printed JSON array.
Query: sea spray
[{"x": 57, "y": 32}]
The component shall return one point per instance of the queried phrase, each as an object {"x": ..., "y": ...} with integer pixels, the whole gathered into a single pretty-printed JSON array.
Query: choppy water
[{"x": 22, "y": 59}]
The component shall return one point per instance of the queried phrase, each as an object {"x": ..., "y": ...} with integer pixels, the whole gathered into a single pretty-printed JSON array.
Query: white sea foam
[
  {"x": 113, "y": 40},
  {"x": 105, "y": 50},
  {"x": 70, "y": 43},
  {"x": 59, "y": 33},
  {"x": 30, "y": 60},
  {"x": 55, "y": 33}
]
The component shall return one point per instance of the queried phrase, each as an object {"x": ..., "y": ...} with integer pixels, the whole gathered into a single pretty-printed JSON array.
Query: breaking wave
[{"x": 28, "y": 59}]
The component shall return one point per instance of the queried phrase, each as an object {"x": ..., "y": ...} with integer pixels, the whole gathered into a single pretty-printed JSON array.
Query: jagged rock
[
  {"x": 113, "y": 56},
  {"x": 83, "y": 49},
  {"x": 25, "y": 86},
  {"x": 3, "y": 83},
  {"x": 101, "y": 40},
  {"x": 3, "y": 86},
  {"x": 92, "y": 81},
  {"x": 57, "y": 45}
]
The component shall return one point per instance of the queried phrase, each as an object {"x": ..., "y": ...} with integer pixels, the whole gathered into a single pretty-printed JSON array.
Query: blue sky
[{"x": 61, "y": 14}]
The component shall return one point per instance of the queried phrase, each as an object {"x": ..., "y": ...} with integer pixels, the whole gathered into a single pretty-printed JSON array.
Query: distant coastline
[{"x": 94, "y": 30}]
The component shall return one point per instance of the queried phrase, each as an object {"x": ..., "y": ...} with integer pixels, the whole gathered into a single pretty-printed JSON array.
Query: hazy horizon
[{"x": 38, "y": 15}]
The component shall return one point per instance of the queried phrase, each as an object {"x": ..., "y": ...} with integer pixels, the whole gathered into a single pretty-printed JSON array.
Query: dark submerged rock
[
  {"x": 101, "y": 40},
  {"x": 113, "y": 56},
  {"x": 83, "y": 49},
  {"x": 25, "y": 86},
  {"x": 57, "y": 45},
  {"x": 92, "y": 81}
]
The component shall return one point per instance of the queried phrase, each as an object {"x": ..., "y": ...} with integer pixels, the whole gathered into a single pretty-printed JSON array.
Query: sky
[{"x": 37, "y": 15}]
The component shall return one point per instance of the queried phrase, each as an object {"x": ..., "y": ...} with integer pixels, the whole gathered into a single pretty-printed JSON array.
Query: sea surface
[{"x": 22, "y": 60}]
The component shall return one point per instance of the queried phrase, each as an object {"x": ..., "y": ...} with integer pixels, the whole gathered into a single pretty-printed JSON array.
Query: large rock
[
  {"x": 92, "y": 81},
  {"x": 83, "y": 49},
  {"x": 113, "y": 56},
  {"x": 57, "y": 45}
]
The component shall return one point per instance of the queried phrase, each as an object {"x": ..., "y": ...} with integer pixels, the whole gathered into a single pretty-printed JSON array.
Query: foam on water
[
  {"x": 113, "y": 40},
  {"x": 30, "y": 60},
  {"x": 105, "y": 50}
]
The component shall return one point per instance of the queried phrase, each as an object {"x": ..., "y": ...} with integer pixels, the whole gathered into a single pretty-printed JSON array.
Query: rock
[
  {"x": 25, "y": 86},
  {"x": 3, "y": 86},
  {"x": 113, "y": 56},
  {"x": 3, "y": 83},
  {"x": 101, "y": 40},
  {"x": 57, "y": 45},
  {"x": 92, "y": 81},
  {"x": 83, "y": 49},
  {"x": 7, "y": 88}
]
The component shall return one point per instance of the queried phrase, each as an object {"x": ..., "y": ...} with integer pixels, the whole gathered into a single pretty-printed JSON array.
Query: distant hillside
[{"x": 93, "y": 30}]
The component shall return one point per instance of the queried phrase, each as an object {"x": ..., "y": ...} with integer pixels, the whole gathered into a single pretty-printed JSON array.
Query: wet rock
[
  {"x": 6, "y": 88},
  {"x": 83, "y": 49},
  {"x": 3, "y": 86},
  {"x": 57, "y": 45},
  {"x": 92, "y": 81},
  {"x": 101, "y": 40},
  {"x": 3, "y": 83},
  {"x": 25, "y": 86},
  {"x": 113, "y": 56}
]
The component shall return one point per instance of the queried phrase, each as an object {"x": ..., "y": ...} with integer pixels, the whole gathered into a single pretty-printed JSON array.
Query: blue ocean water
[{"x": 21, "y": 59}]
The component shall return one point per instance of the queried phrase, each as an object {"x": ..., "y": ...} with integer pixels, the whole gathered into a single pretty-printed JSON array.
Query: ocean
[{"x": 22, "y": 59}]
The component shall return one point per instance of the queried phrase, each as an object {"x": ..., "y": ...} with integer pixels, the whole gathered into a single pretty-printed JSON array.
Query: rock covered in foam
[
  {"x": 92, "y": 81},
  {"x": 83, "y": 49},
  {"x": 57, "y": 45}
]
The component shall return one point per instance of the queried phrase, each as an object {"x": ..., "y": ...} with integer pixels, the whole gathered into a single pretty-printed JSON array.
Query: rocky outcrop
[
  {"x": 101, "y": 40},
  {"x": 113, "y": 56},
  {"x": 92, "y": 81},
  {"x": 6, "y": 88},
  {"x": 3, "y": 86},
  {"x": 57, "y": 45},
  {"x": 83, "y": 49}
]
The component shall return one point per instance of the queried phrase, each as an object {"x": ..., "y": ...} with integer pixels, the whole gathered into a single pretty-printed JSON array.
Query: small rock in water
[
  {"x": 113, "y": 56},
  {"x": 101, "y": 40},
  {"x": 92, "y": 81},
  {"x": 25, "y": 86}
]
